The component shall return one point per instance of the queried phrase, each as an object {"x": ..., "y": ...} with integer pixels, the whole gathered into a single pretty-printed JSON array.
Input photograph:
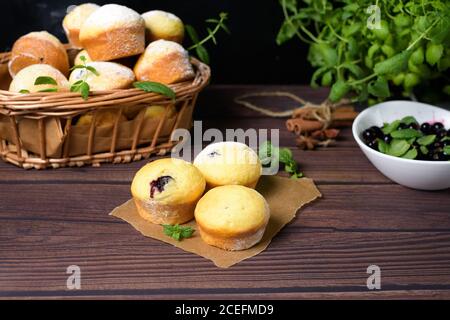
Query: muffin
[
  {"x": 38, "y": 48},
  {"x": 166, "y": 191},
  {"x": 26, "y": 78},
  {"x": 165, "y": 62},
  {"x": 110, "y": 76},
  {"x": 232, "y": 217},
  {"x": 74, "y": 20},
  {"x": 163, "y": 25},
  {"x": 113, "y": 32},
  {"x": 103, "y": 118},
  {"x": 226, "y": 163}
]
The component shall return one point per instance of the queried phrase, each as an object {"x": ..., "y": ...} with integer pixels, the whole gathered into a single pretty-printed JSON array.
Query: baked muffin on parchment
[
  {"x": 232, "y": 217},
  {"x": 166, "y": 191},
  {"x": 226, "y": 163}
]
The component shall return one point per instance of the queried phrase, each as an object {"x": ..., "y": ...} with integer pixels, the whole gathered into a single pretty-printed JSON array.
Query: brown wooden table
[{"x": 56, "y": 218}]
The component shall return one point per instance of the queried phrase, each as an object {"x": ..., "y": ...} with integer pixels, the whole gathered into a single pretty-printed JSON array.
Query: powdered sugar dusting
[
  {"x": 163, "y": 47},
  {"x": 111, "y": 76},
  {"x": 111, "y": 16},
  {"x": 160, "y": 13},
  {"x": 78, "y": 15}
]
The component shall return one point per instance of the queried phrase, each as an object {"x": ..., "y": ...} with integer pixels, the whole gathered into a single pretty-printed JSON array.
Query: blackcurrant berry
[
  {"x": 368, "y": 135},
  {"x": 438, "y": 126},
  {"x": 414, "y": 126},
  {"x": 378, "y": 132},
  {"x": 425, "y": 128},
  {"x": 387, "y": 138},
  {"x": 373, "y": 144}
]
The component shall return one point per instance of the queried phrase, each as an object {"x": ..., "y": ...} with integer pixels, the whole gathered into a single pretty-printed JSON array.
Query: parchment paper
[{"x": 285, "y": 196}]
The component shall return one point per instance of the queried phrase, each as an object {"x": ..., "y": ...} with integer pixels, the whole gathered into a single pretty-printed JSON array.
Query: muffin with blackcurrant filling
[
  {"x": 166, "y": 191},
  {"x": 229, "y": 163}
]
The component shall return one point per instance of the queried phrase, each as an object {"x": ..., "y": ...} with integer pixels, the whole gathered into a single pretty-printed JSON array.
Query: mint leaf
[
  {"x": 45, "y": 80},
  {"x": 389, "y": 127},
  {"x": 379, "y": 88},
  {"x": 265, "y": 153},
  {"x": 406, "y": 134},
  {"x": 285, "y": 155},
  {"x": 93, "y": 70},
  {"x": 411, "y": 154},
  {"x": 84, "y": 90},
  {"x": 423, "y": 149},
  {"x": 383, "y": 147},
  {"x": 398, "y": 147},
  {"x": 155, "y": 87},
  {"x": 447, "y": 150},
  {"x": 177, "y": 232},
  {"x": 49, "y": 90},
  {"x": 426, "y": 140},
  {"x": 202, "y": 53},
  {"x": 24, "y": 91},
  {"x": 408, "y": 120},
  {"x": 192, "y": 33}
]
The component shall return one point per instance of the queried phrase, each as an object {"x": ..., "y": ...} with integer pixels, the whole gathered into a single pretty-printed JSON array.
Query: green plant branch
[{"x": 220, "y": 25}]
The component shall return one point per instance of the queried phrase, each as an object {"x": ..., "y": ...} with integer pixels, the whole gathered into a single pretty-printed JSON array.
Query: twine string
[{"x": 320, "y": 112}]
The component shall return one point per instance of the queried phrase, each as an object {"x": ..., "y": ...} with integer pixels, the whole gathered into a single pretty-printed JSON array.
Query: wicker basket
[{"x": 38, "y": 130}]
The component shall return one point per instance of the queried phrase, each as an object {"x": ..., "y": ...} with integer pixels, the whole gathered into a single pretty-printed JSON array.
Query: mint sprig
[
  {"x": 149, "y": 86},
  {"x": 268, "y": 153},
  {"x": 198, "y": 45},
  {"x": 82, "y": 86},
  {"x": 178, "y": 232},
  {"x": 44, "y": 80}
]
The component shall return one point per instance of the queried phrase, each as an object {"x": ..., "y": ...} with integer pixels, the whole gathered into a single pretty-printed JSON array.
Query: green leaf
[
  {"x": 93, "y": 70},
  {"x": 24, "y": 91},
  {"x": 77, "y": 66},
  {"x": 338, "y": 90},
  {"x": 83, "y": 58},
  {"x": 265, "y": 152},
  {"x": 49, "y": 90},
  {"x": 177, "y": 232},
  {"x": 426, "y": 140},
  {"x": 354, "y": 69},
  {"x": 156, "y": 87},
  {"x": 225, "y": 28},
  {"x": 423, "y": 149},
  {"x": 84, "y": 90},
  {"x": 290, "y": 5},
  {"x": 318, "y": 73},
  {"x": 379, "y": 88},
  {"x": 286, "y": 32},
  {"x": 411, "y": 154},
  {"x": 434, "y": 53},
  {"x": 390, "y": 127},
  {"x": 406, "y": 134},
  {"x": 393, "y": 65},
  {"x": 383, "y": 147},
  {"x": 211, "y": 33},
  {"x": 398, "y": 147},
  {"x": 192, "y": 33},
  {"x": 409, "y": 120},
  {"x": 447, "y": 150},
  {"x": 45, "y": 80},
  {"x": 202, "y": 53},
  {"x": 285, "y": 155}
]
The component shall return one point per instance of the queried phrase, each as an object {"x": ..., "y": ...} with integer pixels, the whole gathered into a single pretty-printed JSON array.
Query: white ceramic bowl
[{"x": 416, "y": 174}]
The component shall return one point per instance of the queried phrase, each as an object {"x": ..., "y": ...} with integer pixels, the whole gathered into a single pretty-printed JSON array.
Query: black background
[{"x": 248, "y": 56}]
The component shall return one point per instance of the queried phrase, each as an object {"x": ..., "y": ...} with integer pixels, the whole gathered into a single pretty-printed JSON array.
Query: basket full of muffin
[{"x": 116, "y": 93}]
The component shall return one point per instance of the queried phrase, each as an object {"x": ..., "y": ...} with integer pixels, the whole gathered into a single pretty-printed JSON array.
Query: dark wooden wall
[{"x": 249, "y": 55}]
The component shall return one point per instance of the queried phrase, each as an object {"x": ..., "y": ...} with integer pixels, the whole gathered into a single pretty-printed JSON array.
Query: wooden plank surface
[{"x": 55, "y": 218}]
